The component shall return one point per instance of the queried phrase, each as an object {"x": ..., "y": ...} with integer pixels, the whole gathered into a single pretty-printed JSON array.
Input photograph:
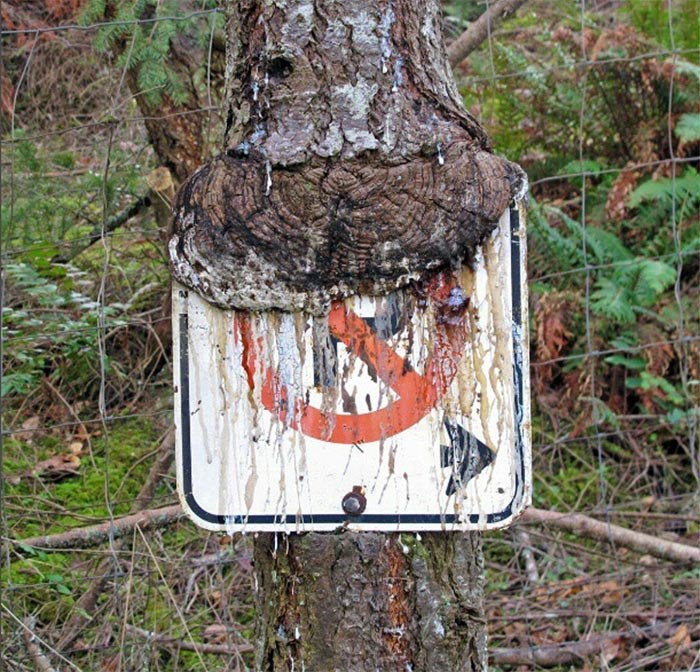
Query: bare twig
[
  {"x": 175, "y": 643},
  {"x": 72, "y": 411},
  {"x": 653, "y": 515},
  {"x": 600, "y": 531},
  {"x": 551, "y": 655},
  {"x": 554, "y": 654},
  {"x": 36, "y": 637},
  {"x": 479, "y": 30},
  {"x": 523, "y": 538},
  {"x": 92, "y": 535},
  {"x": 88, "y": 600},
  {"x": 159, "y": 469},
  {"x": 111, "y": 225}
]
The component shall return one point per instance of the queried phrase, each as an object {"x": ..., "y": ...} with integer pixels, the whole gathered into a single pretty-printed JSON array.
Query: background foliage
[{"x": 598, "y": 102}]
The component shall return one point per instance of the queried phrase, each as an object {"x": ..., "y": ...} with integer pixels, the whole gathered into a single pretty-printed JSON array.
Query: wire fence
[{"x": 87, "y": 396}]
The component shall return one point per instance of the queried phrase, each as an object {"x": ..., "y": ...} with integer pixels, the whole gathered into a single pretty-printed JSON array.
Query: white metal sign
[{"x": 403, "y": 412}]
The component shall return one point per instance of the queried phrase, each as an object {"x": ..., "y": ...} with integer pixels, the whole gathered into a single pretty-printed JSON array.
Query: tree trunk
[
  {"x": 350, "y": 165},
  {"x": 357, "y": 602}
]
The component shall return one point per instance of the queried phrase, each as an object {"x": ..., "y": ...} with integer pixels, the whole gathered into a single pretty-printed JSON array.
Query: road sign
[{"x": 403, "y": 412}]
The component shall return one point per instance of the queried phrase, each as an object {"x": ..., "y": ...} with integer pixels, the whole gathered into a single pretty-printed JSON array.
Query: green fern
[
  {"x": 631, "y": 289},
  {"x": 567, "y": 246},
  {"x": 664, "y": 191},
  {"x": 688, "y": 127},
  {"x": 659, "y": 203},
  {"x": 625, "y": 286},
  {"x": 144, "y": 45},
  {"x": 613, "y": 301}
]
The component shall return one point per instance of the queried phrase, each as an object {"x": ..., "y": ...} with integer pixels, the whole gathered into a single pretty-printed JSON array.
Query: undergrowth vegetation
[
  {"x": 593, "y": 104},
  {"x": 614, "y": 245}
]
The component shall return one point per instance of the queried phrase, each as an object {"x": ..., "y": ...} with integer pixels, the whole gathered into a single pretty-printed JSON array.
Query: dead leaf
[
  {"x": 552, "y": 332},
  {"x": 680, "y": 638},
  {"x": 605, "y": 592},
  {"x": 57, "y": 467},
  {"x": 111, "y": 664},
  {"x": 215, "y": 598},
  {"x": 29, "y": 428},
  {"x": 611, "y": 649},
  {"x": 81, "y": 433},
  {"x": 553, "y": 336},
  {"x": 218, "y": 633},
  {"x": 75, "y": 448},
  {"x": 616, "y": 206}
]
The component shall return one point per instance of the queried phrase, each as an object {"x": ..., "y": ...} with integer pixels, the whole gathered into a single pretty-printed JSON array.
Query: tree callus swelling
[{"x": 350, "y": 163}]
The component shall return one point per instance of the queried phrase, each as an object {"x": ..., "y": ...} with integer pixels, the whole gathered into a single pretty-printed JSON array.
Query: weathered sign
[{"x": 401, "y": 412}]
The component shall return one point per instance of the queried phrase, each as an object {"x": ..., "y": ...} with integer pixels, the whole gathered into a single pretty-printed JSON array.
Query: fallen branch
[
  {"x": 523, "y": 538},
  {"x": 175, "y": 643},
  {"x": 160, "y": 468},
  {"x": 556, "y": 654},
  {"x": 479, "y": 30},
  {"x": 88, "y": 600},
  {"x": 566, "y": 653},
  {"x": 614, "y": 534},
  {"x": 94, "y": 535},
  {"x": 34, "y": 638}
]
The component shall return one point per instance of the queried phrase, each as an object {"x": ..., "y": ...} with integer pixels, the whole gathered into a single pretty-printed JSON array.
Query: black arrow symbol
[
  {"x": 386, "y": 323},
  {"x": 467, "y": 456}
]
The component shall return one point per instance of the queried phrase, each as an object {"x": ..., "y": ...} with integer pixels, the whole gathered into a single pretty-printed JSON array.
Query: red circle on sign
[{"x": 417, "y": 393}]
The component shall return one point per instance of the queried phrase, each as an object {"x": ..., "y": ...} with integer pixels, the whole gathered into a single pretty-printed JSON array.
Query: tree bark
[
  {"x": 348, "y": 148},
  {"x": 368, "y": 601}
]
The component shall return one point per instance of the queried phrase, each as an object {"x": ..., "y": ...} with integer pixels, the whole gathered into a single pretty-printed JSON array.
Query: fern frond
[
  {"x": 652, "y": 279},
  {"x": 688, "y": 127},
  {"x": 665, "y": 190},
  {"x": 612, "y": 300}
]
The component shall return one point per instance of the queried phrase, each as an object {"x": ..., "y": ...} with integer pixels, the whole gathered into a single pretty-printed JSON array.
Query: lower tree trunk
[{"x": 356, "y": 602}]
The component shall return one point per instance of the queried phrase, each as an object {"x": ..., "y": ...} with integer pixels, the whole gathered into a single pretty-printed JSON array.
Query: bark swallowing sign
[
  {"x": 400, "y": 412},
  {"x": 349, "y": 285}
]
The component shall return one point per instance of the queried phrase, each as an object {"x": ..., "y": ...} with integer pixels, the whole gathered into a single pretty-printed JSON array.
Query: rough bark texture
[
  {"x": 350, "y": 163},
  {"x": 368, "y": 602}
]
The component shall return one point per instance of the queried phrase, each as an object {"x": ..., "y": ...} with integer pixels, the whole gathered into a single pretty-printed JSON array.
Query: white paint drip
[
  {"x": 385, "y": 26},
  {"x": 440, "y": 157},
  {"x": 268, "y": 176},
  {"x": 398, "y": 74}
]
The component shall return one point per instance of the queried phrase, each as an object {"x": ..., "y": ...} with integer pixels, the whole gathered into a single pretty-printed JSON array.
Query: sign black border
[{"x": 342, "y": 519}]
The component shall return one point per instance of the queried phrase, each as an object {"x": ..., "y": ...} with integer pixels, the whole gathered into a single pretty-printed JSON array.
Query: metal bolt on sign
[
  {"x": 355, "y": 502},
  {"x": 411, "y": 410}
]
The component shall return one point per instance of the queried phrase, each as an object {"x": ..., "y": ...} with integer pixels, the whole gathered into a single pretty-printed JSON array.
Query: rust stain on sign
[{"x": 416, "y": 401}]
